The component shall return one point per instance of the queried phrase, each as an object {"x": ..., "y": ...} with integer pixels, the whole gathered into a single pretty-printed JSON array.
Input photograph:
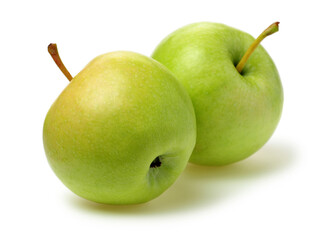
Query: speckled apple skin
[
  {"x": 114, "y": 118},
  {"x": 236, "y": 113}
]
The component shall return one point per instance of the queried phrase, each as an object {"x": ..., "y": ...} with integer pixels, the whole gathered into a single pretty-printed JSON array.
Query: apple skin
[
  {"x": 122, "y": 111},
  {"x": 236, "y": 113}
]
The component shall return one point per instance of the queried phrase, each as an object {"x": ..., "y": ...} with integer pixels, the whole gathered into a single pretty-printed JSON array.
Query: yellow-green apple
[
  {"x": 122, "y": 131},
  {"x": 237, "y": 105}
]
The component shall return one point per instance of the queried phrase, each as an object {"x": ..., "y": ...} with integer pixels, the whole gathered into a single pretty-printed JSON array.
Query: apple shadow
[{"x": 201, "y": 186}]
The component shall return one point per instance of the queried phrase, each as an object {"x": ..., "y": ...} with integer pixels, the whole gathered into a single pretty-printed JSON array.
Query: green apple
[
  {"x": 122, "y": 131},
  {"x": 237, "y": 106}
]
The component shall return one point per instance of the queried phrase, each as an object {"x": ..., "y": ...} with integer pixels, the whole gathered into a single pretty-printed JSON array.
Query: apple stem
[
  {"x": 270, "y": 30},
  {"x": 52, "y": 49}
]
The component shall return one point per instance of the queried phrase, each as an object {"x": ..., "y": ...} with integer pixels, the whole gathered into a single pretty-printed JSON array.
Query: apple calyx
[
  {"x": 156, "y": 163},
  {"x": 52, "y": 49},
  {"x": 268, "y": 31}
]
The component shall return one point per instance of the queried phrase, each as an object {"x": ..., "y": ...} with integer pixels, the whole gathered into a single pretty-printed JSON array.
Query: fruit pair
[{"x": 123, "y": 130}]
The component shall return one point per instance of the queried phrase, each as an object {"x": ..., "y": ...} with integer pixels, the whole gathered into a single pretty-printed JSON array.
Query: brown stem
[
  {"x": 270, "y": 30},
  {"x": 52, "y": 49}
]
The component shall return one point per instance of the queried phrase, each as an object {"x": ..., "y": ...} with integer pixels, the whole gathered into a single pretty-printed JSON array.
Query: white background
[{"x": 281, "y": 192}]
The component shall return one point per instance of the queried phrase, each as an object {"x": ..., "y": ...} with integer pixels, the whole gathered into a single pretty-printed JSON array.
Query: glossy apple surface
[
  {"x": 236, "y": 112},
  {"x": 122, "y": 131}
]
